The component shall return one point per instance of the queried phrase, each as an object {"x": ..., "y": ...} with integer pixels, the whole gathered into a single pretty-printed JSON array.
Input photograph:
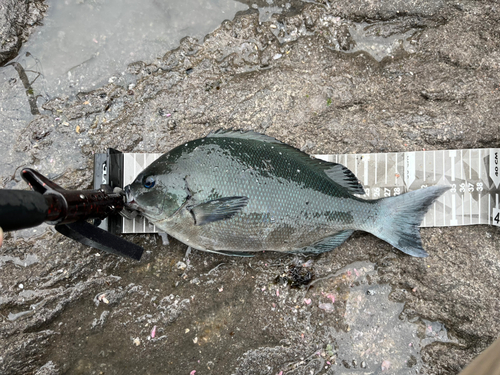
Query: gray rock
[
  {"x": 442, "y": 93},
  {"x": 18, "y": 19}
]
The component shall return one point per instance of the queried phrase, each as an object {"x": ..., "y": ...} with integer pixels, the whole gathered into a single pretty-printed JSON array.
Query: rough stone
[
  {"x": 224, "y": 315},
  {"x": 17, "y": 21}
]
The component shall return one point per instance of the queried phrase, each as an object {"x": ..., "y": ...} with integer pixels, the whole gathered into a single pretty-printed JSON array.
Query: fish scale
[
  {"x": 243, "y": 191},
  {"x": 270, "y": 221}
]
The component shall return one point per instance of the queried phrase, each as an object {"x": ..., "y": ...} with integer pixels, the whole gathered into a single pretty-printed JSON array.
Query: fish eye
[{"x": 148, "y": 182}]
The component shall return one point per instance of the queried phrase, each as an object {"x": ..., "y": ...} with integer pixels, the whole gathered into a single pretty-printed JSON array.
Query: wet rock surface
[
  {"x": 65, "y": 308},
  {"x": 17, "y": 21}
]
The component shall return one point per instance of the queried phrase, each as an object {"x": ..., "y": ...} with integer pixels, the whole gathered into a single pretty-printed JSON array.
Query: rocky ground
[
  {"x": 17, "y": 21},
  {"x": 299, "y": 77}
]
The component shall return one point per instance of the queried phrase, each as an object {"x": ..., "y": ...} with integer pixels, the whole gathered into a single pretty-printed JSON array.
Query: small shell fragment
[
  {"x": 153, "y": 332},
  {"x": 385, "y": 365},
  {"x": 326, "y": 306}
]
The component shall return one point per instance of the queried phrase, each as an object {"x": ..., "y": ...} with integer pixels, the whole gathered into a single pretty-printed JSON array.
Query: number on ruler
[
  {"x": 479, "y": 186},
  {"x": 387, "y": 192},
  {"x": 470, "y": 187},
  {"x": 462, "y": 187},
  {"x": 376, "y": 192},
  {"x": 496, "y": 217},
  {"x": 397, "y": 191},
  {"x": 496, "y": 164},
  {"x": 453, "y": 188}
]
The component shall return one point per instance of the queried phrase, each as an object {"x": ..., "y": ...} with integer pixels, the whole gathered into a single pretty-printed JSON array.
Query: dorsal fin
[
  {"x": 344, "y": 177},
  {"x": 335, "y": 172},
  {"x": 242, "y": 134}
]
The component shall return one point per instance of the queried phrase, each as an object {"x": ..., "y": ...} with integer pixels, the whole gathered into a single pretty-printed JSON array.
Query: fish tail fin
[{"x": 400, "y": 218}]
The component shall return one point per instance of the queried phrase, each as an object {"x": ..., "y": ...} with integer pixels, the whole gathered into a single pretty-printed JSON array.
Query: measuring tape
[{"x": 473, "y": 176}]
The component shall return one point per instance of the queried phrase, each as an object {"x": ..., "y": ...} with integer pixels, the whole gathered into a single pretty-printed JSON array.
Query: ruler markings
[
  {"x": 463, "y": 196},
  {"x": 366, "y": 160},
  {"x": 453, "y": 220},
  {"x": 452, "y": 154},
  {"x": 480, "y": 165},
  {"x": 495, "y": 212},
  {"x": 423, "y": 167},
  {"x": 470, "y": 165},
  {"x": 420, "y": 169},
  {"x": 386, "y": 169},
  {"x": 479, "y": 209},
  {"x": 444, "y": 165},
  {"x": 470, "y": 211},
  {"x": 444, "y": 204},
  {"x": 396, "y": 171},
  {"x": 434, "y": 154},
  {"x": 489, "y": 209},
  {"x": 461, "y": 166}
]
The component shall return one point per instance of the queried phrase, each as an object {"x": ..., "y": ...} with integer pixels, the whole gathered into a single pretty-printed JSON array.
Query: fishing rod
[{"x": 68, "y": 210}]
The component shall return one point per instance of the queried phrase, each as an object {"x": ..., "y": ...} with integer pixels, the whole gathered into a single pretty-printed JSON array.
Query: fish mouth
[
  {"x": 132, "y": 205},
  {"x": 130, "y": 201},
  {"x": 150, "y": 212}
]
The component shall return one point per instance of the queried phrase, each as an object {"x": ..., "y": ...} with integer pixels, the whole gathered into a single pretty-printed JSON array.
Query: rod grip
[{"x": 20, "y": 209}]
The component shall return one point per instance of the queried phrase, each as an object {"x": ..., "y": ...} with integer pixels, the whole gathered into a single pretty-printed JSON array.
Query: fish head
[{"x": 156, "y": 196}]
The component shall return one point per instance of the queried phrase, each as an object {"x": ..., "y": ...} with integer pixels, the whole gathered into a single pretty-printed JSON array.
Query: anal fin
[
  {"x": 231, "y": 253},
  {"x": 327, "y": 244}
]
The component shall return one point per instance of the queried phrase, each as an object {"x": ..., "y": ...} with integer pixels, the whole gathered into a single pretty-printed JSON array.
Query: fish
[{"x": 237, "y": 192}]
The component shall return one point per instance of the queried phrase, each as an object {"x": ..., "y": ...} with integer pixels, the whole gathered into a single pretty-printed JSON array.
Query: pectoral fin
[{"x": 217, "y": 209}]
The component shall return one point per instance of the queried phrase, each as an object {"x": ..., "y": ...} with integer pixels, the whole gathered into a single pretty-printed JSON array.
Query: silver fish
[{"x": 234, "y": 191}]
